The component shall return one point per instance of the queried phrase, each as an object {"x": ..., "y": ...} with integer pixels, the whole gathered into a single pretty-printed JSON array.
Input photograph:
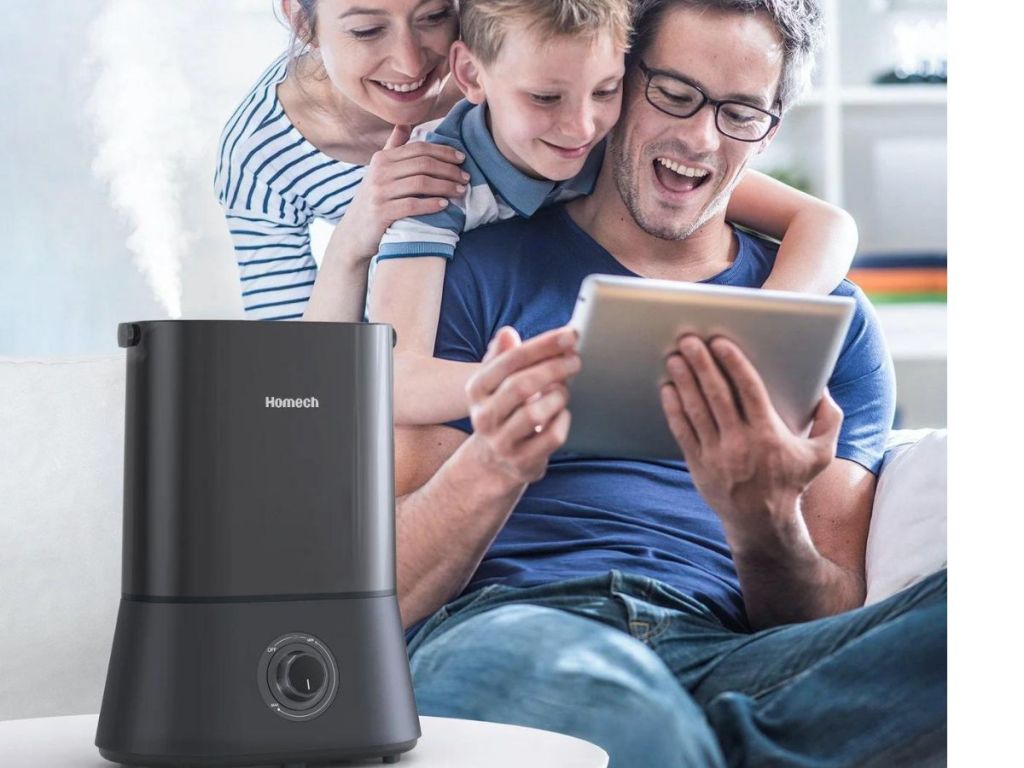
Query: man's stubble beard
[{"x": 629, "y": 190}]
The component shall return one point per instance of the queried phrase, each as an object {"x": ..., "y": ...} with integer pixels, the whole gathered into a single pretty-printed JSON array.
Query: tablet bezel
[{"x": 627, "y": 326}]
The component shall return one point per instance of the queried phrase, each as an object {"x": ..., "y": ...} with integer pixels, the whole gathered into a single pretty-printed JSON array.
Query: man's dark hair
[{"x": 799, "y": 23}]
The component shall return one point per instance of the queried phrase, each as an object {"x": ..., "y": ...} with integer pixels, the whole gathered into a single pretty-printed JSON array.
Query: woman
[{"x": 322, "y": 135}]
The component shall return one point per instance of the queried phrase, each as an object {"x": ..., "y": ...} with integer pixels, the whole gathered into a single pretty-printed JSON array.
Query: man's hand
[
  {"x": 517, "y": 403},
  {"x": 466, "y": 487},
  {"x": 744, "y": 460}
]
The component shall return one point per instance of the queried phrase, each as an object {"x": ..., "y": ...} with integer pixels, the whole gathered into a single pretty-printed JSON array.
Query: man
[{"x": 675, "y": 614}]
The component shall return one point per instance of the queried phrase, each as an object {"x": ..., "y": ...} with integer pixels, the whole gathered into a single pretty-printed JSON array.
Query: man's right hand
[
  {"x": 518, "y": 403},
  {"x": 458, "y": 491}
]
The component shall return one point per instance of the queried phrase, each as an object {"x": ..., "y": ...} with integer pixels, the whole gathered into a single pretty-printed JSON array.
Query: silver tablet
[{"x": 627, "y": 327}]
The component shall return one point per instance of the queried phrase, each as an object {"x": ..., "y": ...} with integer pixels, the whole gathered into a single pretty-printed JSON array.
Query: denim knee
[
  {"x": 545, "y": 668},
  {"x": 878, "y": 700}
]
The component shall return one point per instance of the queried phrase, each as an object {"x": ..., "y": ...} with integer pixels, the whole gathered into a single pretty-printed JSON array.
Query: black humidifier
[{"x": 258, "y": 621}]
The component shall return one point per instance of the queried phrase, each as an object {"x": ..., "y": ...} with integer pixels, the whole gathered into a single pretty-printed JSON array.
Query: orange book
[{"x": 923, "y": 280}]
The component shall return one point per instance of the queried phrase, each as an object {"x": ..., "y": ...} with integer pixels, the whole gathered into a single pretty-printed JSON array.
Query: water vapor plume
[{"x": 165, "y": 76}]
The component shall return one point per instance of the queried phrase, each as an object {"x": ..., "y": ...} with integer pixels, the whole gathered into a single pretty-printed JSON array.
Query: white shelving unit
[
  {"x": 880, "y": 152},
  {"x": 848, "y": 136},
  {"x": 915, "y": 332}
]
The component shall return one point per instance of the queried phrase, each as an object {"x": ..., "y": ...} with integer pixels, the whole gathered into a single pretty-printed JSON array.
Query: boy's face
[{"x": 551, "y": 100}]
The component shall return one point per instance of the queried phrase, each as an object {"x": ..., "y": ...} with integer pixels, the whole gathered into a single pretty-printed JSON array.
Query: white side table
[{"x": 67, "y": 742}]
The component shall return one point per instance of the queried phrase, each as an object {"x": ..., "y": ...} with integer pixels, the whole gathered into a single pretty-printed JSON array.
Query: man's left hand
[{"x": 744, "y": 460}]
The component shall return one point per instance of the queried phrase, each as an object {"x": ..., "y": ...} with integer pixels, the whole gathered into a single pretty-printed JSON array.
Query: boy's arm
[
  {"x": 406, "y": 285},
  {"x": 819, "y": 240},
  {"x": 407, "y": 294}
]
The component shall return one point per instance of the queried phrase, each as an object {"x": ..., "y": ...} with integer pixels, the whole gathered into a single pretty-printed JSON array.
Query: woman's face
[{"x": 388, "y": 57}]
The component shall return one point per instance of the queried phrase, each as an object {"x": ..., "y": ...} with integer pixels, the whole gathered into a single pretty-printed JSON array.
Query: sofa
[{"x": 61, "y": 446}]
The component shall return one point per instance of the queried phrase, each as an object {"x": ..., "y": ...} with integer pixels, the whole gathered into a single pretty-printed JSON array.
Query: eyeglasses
[{"x": 675, "y": 96}]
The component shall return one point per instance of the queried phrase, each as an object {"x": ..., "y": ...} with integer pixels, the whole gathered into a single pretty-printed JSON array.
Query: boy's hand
[
  {"x": 517, "y": 402},
  {"x": 402, "y": 179}
]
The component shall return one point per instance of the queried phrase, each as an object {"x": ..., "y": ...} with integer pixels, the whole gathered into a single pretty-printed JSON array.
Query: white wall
[{"x": 105, "y": 97}]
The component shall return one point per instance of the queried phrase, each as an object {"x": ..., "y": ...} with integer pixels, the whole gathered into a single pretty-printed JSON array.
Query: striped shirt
[
  {"x": 496, "y": 189},
  {"x": 272, "y": 183}
]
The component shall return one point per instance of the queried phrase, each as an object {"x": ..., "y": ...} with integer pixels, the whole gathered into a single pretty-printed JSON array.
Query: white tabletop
[{"x": 67, "y": 742}]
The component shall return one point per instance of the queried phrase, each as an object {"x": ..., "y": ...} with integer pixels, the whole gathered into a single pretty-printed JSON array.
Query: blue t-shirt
[{"x": 589, "y": 515}]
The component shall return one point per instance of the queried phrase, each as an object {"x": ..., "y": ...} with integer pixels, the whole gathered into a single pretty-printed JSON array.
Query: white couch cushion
[
  {"x": 907, "y": 539},
  {"x": 61, "y": 466}
]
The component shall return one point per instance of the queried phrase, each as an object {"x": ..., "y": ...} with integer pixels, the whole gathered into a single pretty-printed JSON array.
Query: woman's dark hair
[{"x": 303, "y": 26}]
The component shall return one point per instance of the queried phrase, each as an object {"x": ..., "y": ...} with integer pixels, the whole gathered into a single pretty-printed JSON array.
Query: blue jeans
[{"x": 653, "y": 677}]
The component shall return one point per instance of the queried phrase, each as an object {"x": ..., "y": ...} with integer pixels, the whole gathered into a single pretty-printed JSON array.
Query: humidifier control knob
[
  {"x": 301, "y": 676},
  {"x": 297, "y": 676}
]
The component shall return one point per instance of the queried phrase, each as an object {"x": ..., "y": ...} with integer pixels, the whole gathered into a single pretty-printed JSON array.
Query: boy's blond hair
[{"x": 485, "y": 22}]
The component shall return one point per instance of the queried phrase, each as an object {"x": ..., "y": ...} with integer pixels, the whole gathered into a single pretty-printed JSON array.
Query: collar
[{"x": 523, "y": 193}]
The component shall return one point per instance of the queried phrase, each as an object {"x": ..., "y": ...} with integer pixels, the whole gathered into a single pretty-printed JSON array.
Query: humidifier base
[{"x": 257, "y": 681}]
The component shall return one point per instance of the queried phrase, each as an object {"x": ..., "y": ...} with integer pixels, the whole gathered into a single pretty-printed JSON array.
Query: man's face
[{"x": 675, "y": 174}]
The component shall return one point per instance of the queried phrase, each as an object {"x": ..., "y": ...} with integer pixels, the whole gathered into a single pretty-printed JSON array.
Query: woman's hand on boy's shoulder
[{"x": 402, "y": 179}]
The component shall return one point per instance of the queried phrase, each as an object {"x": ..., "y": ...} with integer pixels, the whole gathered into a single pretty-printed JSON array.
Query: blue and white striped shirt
[
  {"x": 272, "y": 183},
  {"x": 496, "y": 189}
]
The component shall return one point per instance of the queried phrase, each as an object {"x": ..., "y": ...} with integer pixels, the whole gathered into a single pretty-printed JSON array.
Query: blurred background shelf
[
  {"x": 879, "y": 151},
  {"x": 915, "y": 332},
  {"x": 878, "y": 96},
  {"x": 893, "y": 95}
]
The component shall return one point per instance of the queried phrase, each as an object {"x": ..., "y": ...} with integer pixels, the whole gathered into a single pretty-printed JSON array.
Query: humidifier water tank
[{"x": 258, "y": 621}]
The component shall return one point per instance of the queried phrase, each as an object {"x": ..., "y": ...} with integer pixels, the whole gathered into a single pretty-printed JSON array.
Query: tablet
[{"x": 628, "y": 326}]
